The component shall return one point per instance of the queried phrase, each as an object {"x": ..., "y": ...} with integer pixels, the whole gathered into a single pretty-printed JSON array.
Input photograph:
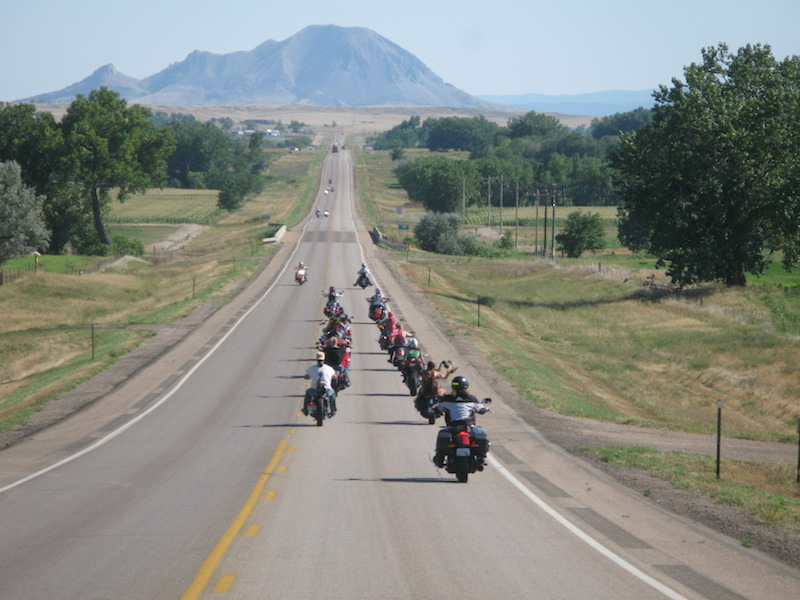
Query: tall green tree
[
  {"x": 111, "y": 147},
  {"x": 22, "y": 227},
  {"x": 34, "y": 141},
  {"x": 712, "y": 186}
]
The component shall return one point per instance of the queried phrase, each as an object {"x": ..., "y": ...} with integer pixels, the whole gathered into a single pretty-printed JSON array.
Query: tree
[
  {"x": 711, "y": 186},
  {"x": 459, "y": 133},
  {"x": 581, "y": 232},
  {"x": 438, "y": 182},
  {"x": 200, "y": 148},
  {"x": 619, "y": 123},
  {"x": 533, "y": 124},
  {"x": 34, "y": 141},
  {"x": 110, "y": 146},
  {"x": 434, "y": 228},
  {"x": 22, "y": 227}
]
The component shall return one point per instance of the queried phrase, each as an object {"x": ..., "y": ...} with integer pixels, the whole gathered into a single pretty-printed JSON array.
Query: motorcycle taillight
[{"x": 462, "y": 438}]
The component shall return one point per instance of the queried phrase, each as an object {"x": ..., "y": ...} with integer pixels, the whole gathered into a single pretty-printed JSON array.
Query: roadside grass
[
  {"x": 45, "y": 337},
  {"x": 605, "y": 337},
  {"x": 766, "y": 491}
]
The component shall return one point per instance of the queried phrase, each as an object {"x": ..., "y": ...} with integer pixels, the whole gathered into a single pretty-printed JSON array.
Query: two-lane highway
[{"x": 224, "y": 490}]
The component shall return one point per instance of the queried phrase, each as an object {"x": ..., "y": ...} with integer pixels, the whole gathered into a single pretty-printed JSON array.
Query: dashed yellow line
[
  {"x": 252, "y": 531},
  {"x": 224, "y": 584},
  {"x": 211, "y": 563}
]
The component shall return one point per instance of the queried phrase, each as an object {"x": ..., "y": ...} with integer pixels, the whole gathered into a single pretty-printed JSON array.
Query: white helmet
[{"x": 412, "y": 343}]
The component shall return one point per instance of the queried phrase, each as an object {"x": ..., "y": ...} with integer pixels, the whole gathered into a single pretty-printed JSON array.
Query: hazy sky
[{"x": 492, "y": 47}]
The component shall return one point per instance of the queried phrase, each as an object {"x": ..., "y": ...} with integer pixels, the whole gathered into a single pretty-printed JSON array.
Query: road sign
[{"x": 402, "y": 226}]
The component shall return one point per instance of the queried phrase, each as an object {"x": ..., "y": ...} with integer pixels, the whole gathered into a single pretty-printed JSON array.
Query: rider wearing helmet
[
  {"x": 459, "y": 408},
  {"x": 363, "y": 272},
  {"x": 332, "y": 294}
]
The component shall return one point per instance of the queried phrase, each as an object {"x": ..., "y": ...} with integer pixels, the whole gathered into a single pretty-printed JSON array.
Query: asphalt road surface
[{"x": 206, "y": 482}]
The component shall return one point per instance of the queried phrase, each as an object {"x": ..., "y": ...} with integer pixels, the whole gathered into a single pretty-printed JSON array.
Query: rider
[
  {"x": 459, "y": 408},
  {"x": 301, "y": 265},
  {"x": 332, "y": 294},
  {"x": 429, "y": 384},
  {"x": 324, "y": 373},
  {"x": 363, "y": 272},
  {"x": 335, "y": 350}
]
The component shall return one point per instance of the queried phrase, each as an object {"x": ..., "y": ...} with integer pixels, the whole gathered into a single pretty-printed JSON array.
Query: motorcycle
[
  {"x": 333, "y": 309},
  {"x": 398, "y": 356},
  {"x": 326, "y": 213},
  {"x": 363, "y": 280},
  {"x": 464, "y": 448},
  {"x": 300, "y": 276},
  {"x": 412, "y": 374},
  {"x": 377, "y": 312},
  {"x": 425, "y": 405},
  {"x": 318, "y": 213},
  {"x": 318, "y": 407}
]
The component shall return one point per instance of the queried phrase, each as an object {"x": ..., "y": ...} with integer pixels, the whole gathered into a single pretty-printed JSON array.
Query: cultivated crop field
[{"x": 169, "y": 205}]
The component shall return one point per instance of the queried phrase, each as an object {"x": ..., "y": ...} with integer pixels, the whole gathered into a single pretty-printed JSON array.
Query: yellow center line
[{"x": 212, "y": 561}]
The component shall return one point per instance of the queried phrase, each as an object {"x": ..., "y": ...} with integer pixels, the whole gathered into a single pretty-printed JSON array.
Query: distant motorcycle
[
  {"x": 363, "y": 280},
  {"x": 326, "y": 213},
  {"x": 300, "y": 276}
]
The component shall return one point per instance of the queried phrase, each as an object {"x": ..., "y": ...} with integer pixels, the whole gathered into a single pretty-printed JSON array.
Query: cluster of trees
[
  {"x": 63, "y": 175},
  {"x": 207, "y": 157},
  {"x": 531, "y": 154},
  {"x": 707, "y": 181}
]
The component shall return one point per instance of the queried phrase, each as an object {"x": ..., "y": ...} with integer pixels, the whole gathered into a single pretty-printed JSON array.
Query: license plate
[{"x": 463, "y": 451}]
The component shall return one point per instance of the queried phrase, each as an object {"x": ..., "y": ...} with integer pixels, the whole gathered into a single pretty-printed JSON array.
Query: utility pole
[
  {"x": 516, "y": 218},
  {"x": 544, "y": 245},
  {"x": 553, "y": 225},
  {"x": 536, "y": 224},
  {"x": 464, "y": 197},
  {"x": 501, "y": 205}
]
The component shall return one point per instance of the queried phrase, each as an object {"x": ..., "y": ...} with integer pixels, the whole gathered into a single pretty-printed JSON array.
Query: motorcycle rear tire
[
  {"x": 462, "y": 469},
  {"x": 320, "y": 416},
  {"x": 413, "y": 384}
]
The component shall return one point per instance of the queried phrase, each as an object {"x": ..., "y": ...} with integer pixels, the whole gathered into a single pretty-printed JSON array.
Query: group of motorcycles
[
  {"x": 466, "y": 446},
  {"x": 334, "y": 344}
]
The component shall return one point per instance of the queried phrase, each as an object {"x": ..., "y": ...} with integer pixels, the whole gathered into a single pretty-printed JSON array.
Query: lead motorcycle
[
  {"x": 300, "y": 276},
  {"x": 363, "y": 280},
  {"x": 464, "y": 448}
]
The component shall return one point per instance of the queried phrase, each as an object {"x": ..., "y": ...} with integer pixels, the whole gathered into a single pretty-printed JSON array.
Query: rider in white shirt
[{"x": 316, "y": 373}]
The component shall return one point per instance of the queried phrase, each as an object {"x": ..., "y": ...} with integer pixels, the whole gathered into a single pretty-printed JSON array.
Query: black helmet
[
  {"x": 459, "y": 384},
  {"x": 332, "y": 289}
]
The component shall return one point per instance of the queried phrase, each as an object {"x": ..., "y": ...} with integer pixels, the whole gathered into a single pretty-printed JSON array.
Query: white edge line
[
  {"x": 165, "y": 397},
  {"x": 583, "y": 536}
]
